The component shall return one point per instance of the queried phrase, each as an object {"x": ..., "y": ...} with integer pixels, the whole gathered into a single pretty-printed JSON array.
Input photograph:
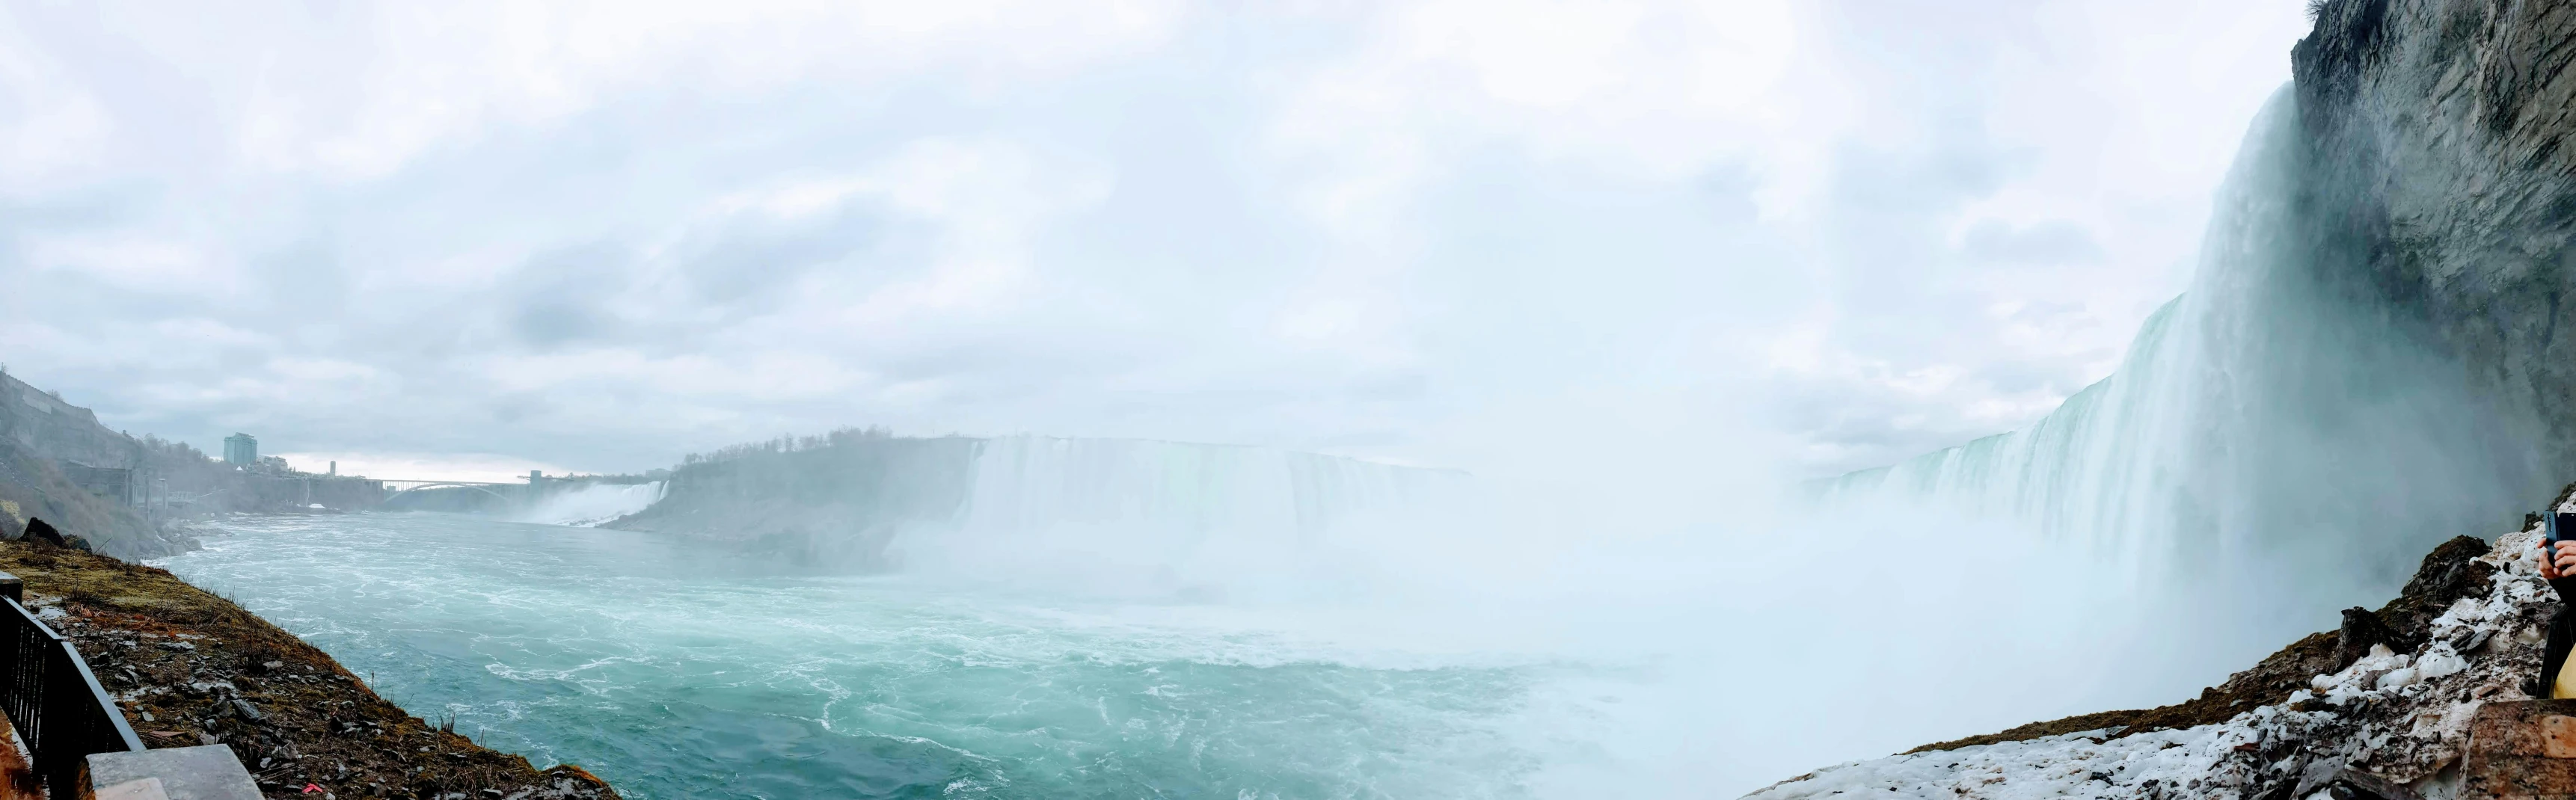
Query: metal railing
[{"x": 57, "y": 706}]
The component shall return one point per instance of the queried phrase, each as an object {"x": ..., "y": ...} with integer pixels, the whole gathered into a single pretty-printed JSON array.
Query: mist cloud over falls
[
  {"x": 1634, "y": 265},
  {"x": 2275, "y": 446},
  {"x": 596, "y": 241}
]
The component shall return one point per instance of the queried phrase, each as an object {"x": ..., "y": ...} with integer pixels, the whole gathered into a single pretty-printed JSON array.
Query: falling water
[
  {"x": 592, "y": 504},
  {"x": 2266, "y": 433},
  {"x": 1073, "y": 617},
  {"x": 1130, "y": 516}
]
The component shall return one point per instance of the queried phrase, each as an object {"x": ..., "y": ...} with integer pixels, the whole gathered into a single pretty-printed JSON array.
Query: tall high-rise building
[{"x": 242, "y": 449}]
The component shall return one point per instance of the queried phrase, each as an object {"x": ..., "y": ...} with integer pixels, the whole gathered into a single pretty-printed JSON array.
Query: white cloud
[
  {"x": 353, "y": 91},
  {"x": 49, "y": 122},
  {"x": 1655, "y": 89},
  {"x": 625, "y": 230},
  {"x": 138, "y": 265}
]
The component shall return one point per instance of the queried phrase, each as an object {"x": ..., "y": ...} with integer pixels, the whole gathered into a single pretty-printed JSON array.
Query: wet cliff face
[{"x": 2442, "y": 188}]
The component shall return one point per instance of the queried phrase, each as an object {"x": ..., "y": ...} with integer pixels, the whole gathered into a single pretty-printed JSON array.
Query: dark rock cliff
[{"x": 2442, "y": 191}]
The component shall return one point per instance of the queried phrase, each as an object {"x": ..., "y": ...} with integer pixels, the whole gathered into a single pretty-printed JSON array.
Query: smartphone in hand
[{"x": 2561, "y": 526}]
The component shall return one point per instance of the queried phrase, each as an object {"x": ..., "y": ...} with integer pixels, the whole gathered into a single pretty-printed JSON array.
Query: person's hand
[{"x": 2563, "y": 565}]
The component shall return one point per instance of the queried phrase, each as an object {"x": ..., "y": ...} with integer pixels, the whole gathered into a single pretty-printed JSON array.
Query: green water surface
[{"x": 676, "y": 670}]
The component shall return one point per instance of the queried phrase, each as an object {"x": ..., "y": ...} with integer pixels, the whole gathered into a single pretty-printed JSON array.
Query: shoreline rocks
[{"x": 190, "y": 668}]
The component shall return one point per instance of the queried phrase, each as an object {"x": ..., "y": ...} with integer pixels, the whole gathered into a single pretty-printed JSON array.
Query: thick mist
[
  {"x": 1666, "y": 608},
  {"x": 1154, "y": 519},
  {"x": 1572, "y": 260},
  {"x": 2274, "y": 447},
  {"x": 2271, "y": 450},
  {"x": 1659, "y": 653},
  {"x": 1672, "y": 612}
]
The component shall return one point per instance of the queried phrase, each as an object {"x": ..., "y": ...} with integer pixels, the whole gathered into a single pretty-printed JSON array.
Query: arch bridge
[{"x": 397, "y": 487}]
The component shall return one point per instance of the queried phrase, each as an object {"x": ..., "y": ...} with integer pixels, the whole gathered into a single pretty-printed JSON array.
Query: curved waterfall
[
  {"x": 1132, "y": 516},
  {"x": 2264, "y": 424},
  {"x": 591, "y": 504}
]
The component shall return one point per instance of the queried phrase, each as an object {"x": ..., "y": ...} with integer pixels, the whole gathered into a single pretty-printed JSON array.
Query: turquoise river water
[{"x": 676, "y": 670}]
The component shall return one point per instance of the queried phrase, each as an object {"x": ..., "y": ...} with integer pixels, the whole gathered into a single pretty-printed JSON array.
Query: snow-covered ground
[{"x": 2400, "y": 716}]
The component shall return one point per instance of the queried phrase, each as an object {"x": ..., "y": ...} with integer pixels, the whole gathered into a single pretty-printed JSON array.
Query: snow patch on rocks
[{"x": 2401, "y": 716}]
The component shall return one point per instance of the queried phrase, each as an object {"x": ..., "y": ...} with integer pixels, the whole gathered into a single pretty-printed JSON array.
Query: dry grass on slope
[{"x": 190, "y": 667}]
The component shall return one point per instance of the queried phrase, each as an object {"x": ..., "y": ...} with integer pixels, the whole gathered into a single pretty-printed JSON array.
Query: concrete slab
[
  {"x": 146, "y": 789},
  {"x": 204, "y": 772}
]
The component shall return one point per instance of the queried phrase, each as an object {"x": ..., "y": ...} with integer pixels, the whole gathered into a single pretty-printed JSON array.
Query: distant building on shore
[{"x": 241, "y": 449}]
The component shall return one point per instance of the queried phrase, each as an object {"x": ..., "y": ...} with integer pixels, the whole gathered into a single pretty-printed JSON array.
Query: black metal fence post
[{"x": 60, "y": 711}]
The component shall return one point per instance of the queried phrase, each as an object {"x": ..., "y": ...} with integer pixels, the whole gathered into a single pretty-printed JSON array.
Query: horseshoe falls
[
  {"x": 1035, "y": 617},
  {"x": 1128, "y": 516},
  {"x": 864, "y": 615},
  {"x": 2277, "y": 442}
]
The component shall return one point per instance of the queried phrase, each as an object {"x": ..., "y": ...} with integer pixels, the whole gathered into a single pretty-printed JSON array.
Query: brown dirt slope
[
  {"x": 2448, "y": 573},
  {"x": 190, "y": 668}
]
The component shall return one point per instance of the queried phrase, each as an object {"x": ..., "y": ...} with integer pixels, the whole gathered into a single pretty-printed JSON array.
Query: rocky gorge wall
[
  {"x": 47, "y": 446},
  {"x": 2442, "y": 190},
  {"x": 44, "y": 423},
  {"x": 128, "y": 496}
]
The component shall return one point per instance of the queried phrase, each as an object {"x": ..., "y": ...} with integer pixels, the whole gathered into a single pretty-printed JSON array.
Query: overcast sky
[{"x": 493, "y": 236}]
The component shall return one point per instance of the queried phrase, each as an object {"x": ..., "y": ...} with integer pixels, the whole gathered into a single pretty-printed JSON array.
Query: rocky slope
[
  {"x": 59, "y": 464},
  {"x": 191, "y": 668},
  {"x": 2385, "y": 700},
  {"x": 43, "y": 440}
]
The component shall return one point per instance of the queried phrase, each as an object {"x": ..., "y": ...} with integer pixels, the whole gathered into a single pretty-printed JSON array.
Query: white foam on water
[{"x": 678, "y": 671}]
